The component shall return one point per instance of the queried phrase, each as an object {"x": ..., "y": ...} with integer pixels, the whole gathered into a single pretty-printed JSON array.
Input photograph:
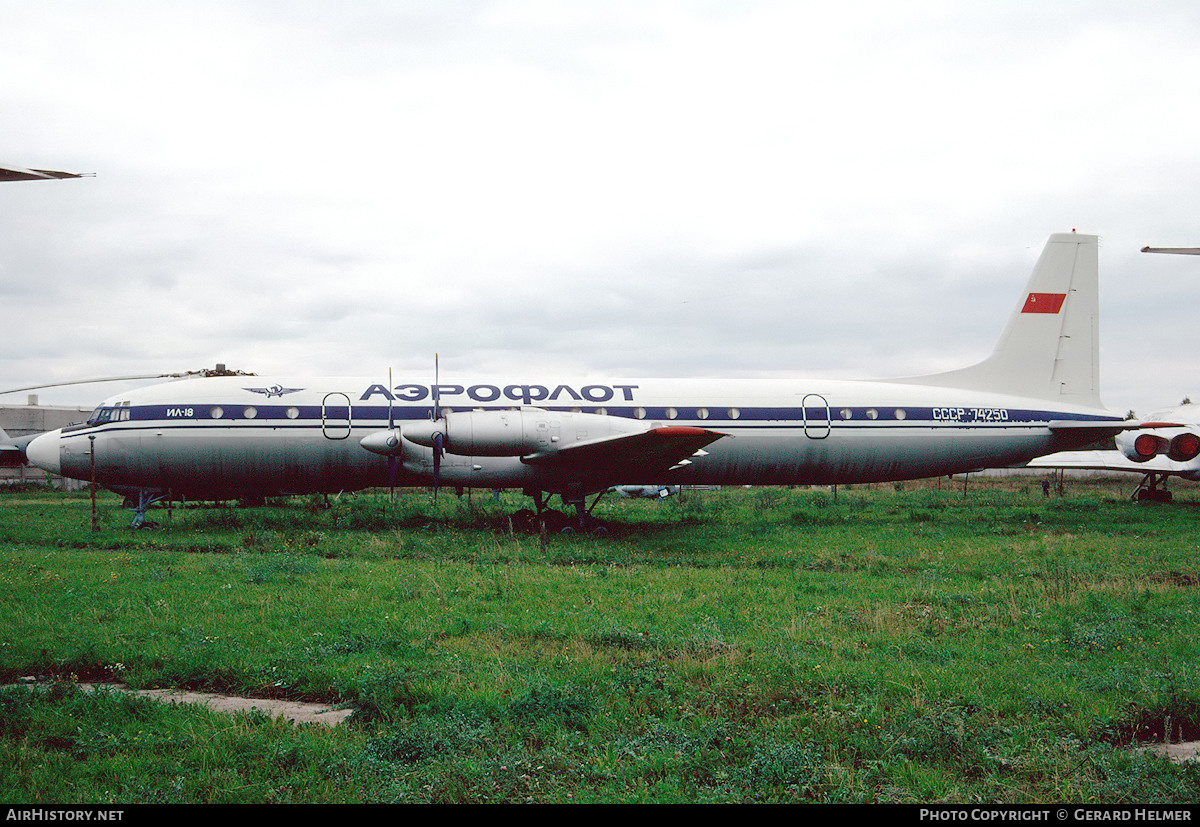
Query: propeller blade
[
  {"x": 437, "y": 463},
  {"x": 390, "y": 425},
  {"x": 437, "y": 395},
  {"x": 392, "y": 458}
]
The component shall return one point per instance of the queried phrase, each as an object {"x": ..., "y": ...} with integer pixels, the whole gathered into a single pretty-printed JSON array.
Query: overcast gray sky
[{"x": 589, "y": 187}]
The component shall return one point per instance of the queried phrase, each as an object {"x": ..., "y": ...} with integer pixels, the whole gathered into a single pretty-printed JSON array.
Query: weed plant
[{"x": 923, "y": 642}]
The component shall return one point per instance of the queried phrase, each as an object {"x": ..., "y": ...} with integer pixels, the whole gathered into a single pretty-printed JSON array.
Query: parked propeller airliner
[
  {"x": 244, "y": 436},
  {"x": 1159, "y": 453}
]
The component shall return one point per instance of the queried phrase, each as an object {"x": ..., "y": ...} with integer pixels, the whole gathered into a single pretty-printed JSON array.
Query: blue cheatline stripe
[
  {"x": 690, "y": 413},
  {"x": 375, "y": 417}
]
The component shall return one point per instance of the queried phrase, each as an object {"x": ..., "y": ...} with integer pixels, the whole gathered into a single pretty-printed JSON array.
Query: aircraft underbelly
[
  {"x": 780, "y": 457},
  {"x": 773, "y": 458},
  {"x": 196, "y": 464},
  {"x": 203, "y": 462}
]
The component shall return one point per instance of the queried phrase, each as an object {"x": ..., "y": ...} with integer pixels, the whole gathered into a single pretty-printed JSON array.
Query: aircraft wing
[
  {"x": 1112, "y": 461},
  {"x": 1179, "y": 251},
  {"x": 628, "y": 456},
  {"x": 8, "y": 173}
]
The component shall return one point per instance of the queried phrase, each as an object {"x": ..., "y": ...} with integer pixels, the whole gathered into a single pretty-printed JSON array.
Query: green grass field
[{"x": 911, "y": 643}]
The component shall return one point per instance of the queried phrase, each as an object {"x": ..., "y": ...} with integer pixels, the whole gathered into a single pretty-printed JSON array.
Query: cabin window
[
  {"x": 640, "y": 413},
  {"x": 872, "y": 413},
  {"x": 216, "y": 412},
  {"x": 250, "y": 412},
  {"x": 602, "y": 411},
  {"x": 293, "y": 412},
  {"x": 672, "y": 413},
  {"x": 701, "y": 413},
  {"x": 900, "y": 413},
  {"x": 734, "y": 413},
  {"x": 846, "y": 413}
]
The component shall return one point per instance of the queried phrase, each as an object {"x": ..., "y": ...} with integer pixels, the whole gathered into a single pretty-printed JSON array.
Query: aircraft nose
[{"x": 44, "y": 452}]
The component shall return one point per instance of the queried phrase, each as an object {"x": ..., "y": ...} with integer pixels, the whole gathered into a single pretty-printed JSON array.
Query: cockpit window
[{"x": 109, "y": 413}]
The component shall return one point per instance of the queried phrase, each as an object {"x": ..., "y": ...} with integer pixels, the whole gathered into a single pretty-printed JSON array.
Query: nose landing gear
[{"x": 138, "y": 503}]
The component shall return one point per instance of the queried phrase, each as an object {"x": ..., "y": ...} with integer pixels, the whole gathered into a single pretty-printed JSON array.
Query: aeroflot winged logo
[{"x": 274, "y": 390}]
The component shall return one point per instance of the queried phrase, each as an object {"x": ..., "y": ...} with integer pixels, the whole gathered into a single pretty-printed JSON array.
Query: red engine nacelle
[
  {"x": 1146, "y": 446},
  {"x": 1184, "y": 447}
]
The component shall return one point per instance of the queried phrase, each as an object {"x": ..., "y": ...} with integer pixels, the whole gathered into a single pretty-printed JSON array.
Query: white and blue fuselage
[{"x": 226, "y": 436}]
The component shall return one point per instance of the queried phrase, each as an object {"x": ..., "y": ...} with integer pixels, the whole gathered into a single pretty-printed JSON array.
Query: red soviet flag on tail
[{"x": 1044, "y": 303}]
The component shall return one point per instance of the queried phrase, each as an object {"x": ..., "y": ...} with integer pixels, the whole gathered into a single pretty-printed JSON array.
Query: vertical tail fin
[{"x": 1051, "y": 345}]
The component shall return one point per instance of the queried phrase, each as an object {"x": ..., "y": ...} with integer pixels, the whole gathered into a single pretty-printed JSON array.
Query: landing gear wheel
[
  {"x": 1154, "y": 495},
  {"x": 585, "y": 524},
  {"x": 523, "y": 520},
  {"x": 1153, "y": 489},
  {"x": 555, "y": 521}
]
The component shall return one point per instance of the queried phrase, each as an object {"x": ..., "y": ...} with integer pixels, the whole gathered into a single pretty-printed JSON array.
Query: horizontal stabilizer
[{"x": 1113, "y": 427}]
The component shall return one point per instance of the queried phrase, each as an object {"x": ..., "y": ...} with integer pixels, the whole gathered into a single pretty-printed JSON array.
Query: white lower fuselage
[{"x": 230, "y": 436}]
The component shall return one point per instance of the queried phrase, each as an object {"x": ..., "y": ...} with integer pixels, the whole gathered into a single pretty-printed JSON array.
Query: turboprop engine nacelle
[{"x": 505, "y": 433}]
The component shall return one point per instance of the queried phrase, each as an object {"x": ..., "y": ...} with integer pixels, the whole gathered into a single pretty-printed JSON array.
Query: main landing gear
[
  {"x": 1152, "y": 489},
  {"x": 557, "y": 522}
]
